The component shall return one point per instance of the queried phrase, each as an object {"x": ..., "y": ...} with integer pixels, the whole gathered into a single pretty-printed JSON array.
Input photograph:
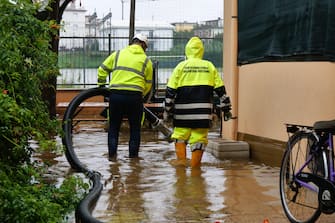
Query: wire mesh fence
[{"x": 80, "y": 57}]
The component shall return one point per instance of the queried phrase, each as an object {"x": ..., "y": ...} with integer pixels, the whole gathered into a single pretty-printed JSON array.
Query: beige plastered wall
[
  {"x": 267, "y": 95},
  {"x": 272, "y": 94}
]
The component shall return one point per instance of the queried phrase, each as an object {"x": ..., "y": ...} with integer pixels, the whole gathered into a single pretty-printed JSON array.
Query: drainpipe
[{"x": 230, "y": 69}]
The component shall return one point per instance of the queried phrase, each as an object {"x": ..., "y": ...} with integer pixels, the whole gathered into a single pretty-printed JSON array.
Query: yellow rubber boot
[
  {"x": 180, "y": 148},
  {"x": 196, "y": 158}
]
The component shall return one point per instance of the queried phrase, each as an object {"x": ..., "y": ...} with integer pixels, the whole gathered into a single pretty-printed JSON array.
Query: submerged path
[{"x": 151, "y": 189}]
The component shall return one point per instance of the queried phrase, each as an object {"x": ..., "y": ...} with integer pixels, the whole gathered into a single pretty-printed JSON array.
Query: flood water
[{"x": 152, "y": 189}]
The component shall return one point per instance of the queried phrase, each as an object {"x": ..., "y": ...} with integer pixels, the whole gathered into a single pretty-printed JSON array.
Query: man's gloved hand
[
  {"x": 225, "y": 103},
  {"x": 101, "y": 82},
  {"x": 225, "y": 106}
]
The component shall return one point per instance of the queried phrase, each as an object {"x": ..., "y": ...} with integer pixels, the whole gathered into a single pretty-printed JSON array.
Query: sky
[{"x": 160, "y": 10}]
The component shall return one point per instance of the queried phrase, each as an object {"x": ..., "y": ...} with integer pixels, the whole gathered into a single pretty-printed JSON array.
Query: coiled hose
[{"x": 85, "y": 207}]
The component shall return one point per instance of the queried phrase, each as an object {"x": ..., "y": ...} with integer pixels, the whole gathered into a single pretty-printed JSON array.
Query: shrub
[
  {"x": 25, "y": 200},
  {"x": 26, "y": 65}
]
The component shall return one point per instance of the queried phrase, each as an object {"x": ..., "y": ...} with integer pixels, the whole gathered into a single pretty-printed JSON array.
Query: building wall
[
  {"x": 73, "y": 25},
  {"x": 267, "y": 95},
  {"x": 272, "y": 94},
  {"x": 209, "y": 29},
  {"x": 184, "y": 26},
  {"x": 152, "y": 30}
]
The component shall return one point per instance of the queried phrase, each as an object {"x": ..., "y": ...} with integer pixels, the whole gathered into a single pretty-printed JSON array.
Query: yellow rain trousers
[{"x": 191, "y": 135}]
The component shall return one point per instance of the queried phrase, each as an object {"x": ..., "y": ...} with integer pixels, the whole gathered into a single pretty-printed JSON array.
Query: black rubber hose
[
  {"x": 84, "y": 209},
  {"x": 67, "y": 124}
]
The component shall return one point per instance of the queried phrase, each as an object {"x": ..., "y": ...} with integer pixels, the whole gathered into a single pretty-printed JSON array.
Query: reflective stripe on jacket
[
  {"x": 189, "y": 93},
  {"x": 131, "y": 70}
]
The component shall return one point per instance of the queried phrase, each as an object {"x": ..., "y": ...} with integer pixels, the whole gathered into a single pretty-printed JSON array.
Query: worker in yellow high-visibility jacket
[
  {"x": 131, "y": 80},
  {"x": 189, "y": 99}
]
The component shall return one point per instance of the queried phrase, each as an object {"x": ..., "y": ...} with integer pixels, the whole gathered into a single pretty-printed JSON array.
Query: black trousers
[{"x": 130, "y": 105}]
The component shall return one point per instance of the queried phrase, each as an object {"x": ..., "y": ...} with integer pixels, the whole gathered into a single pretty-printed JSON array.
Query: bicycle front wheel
[{"x": 300, "y": 204}]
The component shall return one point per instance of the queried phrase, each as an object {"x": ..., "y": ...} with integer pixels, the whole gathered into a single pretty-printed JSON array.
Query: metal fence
[{"x": 80, "y": 57}]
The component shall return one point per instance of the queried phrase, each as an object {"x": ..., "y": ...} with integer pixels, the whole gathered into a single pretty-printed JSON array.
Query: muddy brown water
[{"x": 151, "y": 189}]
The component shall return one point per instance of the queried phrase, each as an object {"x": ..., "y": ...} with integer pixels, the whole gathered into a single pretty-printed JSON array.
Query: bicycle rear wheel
[{"x": 300, "y": 204}]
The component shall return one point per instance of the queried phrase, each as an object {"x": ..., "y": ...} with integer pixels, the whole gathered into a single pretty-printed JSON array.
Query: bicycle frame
[
  {"x": 331, "y": 157},
  {"x": 326, "y": 145}
]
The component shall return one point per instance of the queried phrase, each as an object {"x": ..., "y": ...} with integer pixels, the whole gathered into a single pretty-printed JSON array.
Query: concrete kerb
[{"x": 228, "y": 149}]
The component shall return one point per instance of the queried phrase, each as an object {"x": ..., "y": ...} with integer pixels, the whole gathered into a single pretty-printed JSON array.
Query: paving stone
[{"x": 228, "y": 149}]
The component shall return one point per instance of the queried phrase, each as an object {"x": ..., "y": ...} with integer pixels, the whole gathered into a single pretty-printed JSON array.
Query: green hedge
[{"x": 26, "y": 65}]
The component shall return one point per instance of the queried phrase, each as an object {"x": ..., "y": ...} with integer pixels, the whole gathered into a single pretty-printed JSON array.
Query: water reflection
[
  {"x": 190, "y": 193},
  {"x": 125, "y": 197}
]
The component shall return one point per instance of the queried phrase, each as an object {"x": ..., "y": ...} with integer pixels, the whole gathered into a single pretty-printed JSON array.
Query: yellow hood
[{"x": 194, "y": 48}]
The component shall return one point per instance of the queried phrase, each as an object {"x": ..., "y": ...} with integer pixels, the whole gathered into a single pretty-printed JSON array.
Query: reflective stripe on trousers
[{"x": 191, "y": 135}]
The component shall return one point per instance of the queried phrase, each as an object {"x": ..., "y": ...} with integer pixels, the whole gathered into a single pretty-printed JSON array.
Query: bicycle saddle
[{"x": 324, "y": 126}]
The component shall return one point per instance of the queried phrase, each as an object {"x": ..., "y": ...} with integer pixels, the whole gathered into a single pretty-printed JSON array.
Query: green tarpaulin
[{"x": 286, "y": 30}]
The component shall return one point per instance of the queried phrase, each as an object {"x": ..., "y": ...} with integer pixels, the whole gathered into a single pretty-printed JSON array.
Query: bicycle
[{"x": 307, "y": 175}]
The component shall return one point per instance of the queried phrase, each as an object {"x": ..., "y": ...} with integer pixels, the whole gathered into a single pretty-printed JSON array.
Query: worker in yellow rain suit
[
  {"x": 130, "y": 82},
  {"x": 189, "y": 100}
]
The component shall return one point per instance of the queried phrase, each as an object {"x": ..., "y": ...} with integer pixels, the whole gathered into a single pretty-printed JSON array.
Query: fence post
[
  {"x": 84, "y": 67},
  {"x": 109, "y": 50},
  {"x": 109, "y": 44}
]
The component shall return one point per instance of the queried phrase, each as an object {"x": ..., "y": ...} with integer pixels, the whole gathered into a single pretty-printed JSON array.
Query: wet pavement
[{"x": 151, "y": 189}]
